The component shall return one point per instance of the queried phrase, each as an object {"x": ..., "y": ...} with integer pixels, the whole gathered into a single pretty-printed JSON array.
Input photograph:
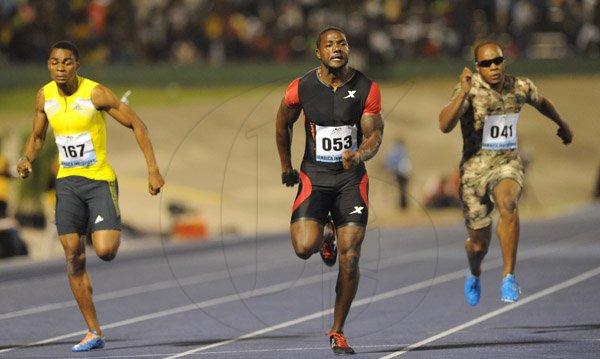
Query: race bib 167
[{"x": 76, "y": 150}]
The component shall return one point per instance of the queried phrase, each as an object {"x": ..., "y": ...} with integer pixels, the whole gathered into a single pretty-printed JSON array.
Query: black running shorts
[
  {"x": 344, "y": 194},
  {"x": 85, "y": 206}
]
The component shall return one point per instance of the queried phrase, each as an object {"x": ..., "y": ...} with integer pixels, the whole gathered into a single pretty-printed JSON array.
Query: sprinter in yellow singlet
[{"x": 86, "y": 186}]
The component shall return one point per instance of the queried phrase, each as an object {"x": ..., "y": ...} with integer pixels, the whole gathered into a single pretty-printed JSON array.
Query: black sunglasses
[{"x": 487, "y": 63}]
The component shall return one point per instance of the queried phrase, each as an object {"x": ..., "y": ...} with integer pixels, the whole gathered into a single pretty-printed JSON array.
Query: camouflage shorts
[{"x": 479, "y": 175}]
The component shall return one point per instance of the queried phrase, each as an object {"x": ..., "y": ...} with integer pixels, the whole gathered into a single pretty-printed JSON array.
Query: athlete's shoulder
[
  {"x": 49, "y": 85},
  {"x": 360, "y": 75},
  {"x": 87, "y": 83},
  {"x": 311, "y": 75},
  {"x": 291, "y": 97},
  {"x": 519, "y": 81}
]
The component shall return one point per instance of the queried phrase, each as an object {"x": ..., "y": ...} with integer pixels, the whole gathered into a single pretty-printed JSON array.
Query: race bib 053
[{"x": 333, "y": 141}]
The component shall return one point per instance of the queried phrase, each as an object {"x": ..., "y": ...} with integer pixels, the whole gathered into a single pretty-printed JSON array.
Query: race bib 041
[
  {"x": 500, "y": 132},
  {"x": 333, "y": 141},
  {"x": 76, "y": 150}
]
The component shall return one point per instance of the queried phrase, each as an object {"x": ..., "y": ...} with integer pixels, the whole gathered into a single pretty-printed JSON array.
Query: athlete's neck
[
  {"x": 334, "y": 77},
  {"x": 68, "y": 88},
  {"x": 498, "y": 87}
]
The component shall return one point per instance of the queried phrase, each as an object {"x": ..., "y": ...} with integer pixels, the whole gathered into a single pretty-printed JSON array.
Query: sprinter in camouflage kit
[{"x": 488, "y": 105}]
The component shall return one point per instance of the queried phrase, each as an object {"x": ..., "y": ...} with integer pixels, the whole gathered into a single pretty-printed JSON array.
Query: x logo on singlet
[{"x": 350, "y": 94}]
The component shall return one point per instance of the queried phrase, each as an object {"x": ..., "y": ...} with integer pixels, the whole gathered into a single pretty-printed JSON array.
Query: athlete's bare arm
[
  {"x": 451, "y": 113},
  {"x": 372, "y": 129},
  {"x": 35, "y": 142},
  {"x": 286, "y": 117},
  {"x": 104, "y": 99},
  {"x": 546, "y": 108}
]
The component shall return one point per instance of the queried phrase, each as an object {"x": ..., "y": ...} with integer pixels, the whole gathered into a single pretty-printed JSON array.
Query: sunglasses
[{"x": 487, "y": 63}]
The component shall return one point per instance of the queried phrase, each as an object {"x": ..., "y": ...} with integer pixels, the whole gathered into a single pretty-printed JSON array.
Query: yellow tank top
[{"x": 80, "y": 132}]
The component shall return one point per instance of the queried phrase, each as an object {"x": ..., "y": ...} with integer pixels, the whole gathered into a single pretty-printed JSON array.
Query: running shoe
[
  {"x": 328, "y": 249},
  {"x": 472, "y": 289},
  {"x": 339, "y": 344},
  {"x": 91, "y": 341},
  {"x": 510, "y": 289}
]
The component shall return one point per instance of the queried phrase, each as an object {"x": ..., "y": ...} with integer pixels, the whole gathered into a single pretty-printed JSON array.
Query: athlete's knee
[
  {"x": 303, "y": 247},
  {"x": 106, "y": 247},
  {"x": 107, "y": 257},
  {"x": 478, "y": 241},
  {"x": 303, "y": 251},
  {"x": 349, "y": 262},
  {"x": 75, "y": 263},
  {"x": 508, "y": 208},
  {"x": 107, "y": 254},
  {"x": 477, "y": 246},
  {"x": 107, "y": 251},
  {"x": 304, "y": 254}
]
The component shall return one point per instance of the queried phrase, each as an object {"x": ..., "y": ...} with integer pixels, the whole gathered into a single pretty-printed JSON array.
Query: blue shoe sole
[{"x": 97, "y": 343}]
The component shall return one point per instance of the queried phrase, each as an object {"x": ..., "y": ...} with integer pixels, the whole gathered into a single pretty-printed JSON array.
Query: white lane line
[
  {"x": 383, "y": 296},
  {"x": 369, "y": 300},
  {"x": 198, "y": 279},
  {"x": 289, "y": 323},
  {"x": 381, "y": 264},
  {"x": 193, "y": 280},
  {"x": 530, "y": 298},
  {"x": 565, "y": 243}
]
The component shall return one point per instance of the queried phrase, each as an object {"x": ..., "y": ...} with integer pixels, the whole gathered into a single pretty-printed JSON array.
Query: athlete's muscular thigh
[
  {"x": 506, "y": 196},
  {"x": 351, "y": 205}
]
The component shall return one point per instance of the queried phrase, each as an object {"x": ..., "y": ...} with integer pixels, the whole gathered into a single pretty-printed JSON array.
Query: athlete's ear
[
  {"x": 318, "y": 54},
  {"x": 77, "y": 66}
]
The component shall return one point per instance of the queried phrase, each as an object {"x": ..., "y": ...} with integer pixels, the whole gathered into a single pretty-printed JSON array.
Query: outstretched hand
[{"x": 290, "y": 178}]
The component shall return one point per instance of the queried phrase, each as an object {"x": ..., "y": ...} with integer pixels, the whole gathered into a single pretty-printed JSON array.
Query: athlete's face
[
  {"x": 488, "y": 67},
  {"x": 62, "y": 65},
  {"x": 333, "y": 49}
]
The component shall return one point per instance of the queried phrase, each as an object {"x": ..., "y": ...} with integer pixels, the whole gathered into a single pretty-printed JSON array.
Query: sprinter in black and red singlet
[{"x": 344, "y": 129}]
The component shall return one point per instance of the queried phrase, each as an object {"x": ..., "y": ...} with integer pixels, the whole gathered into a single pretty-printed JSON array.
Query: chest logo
[{"x": 350, "y": 94}]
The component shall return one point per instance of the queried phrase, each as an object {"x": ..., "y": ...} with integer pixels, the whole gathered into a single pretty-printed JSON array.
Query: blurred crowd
[{"x": 219, "y": 31}]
